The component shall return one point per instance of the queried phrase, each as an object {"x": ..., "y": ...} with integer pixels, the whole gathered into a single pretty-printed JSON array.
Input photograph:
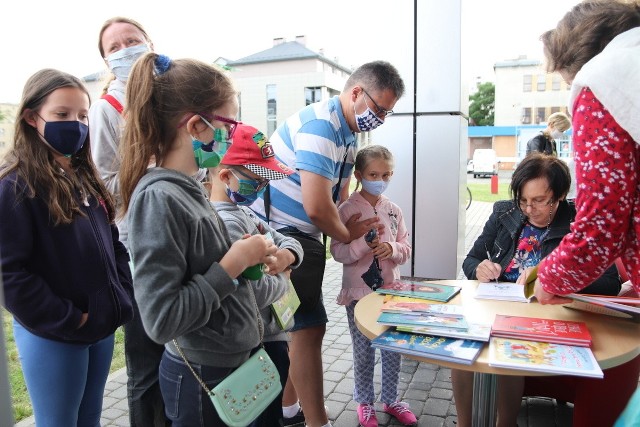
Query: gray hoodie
[
  {"x": 176, "y": 241},
  {"x": 240, "y": 221}
]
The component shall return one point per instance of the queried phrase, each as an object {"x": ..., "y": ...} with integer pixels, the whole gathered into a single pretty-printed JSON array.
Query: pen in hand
[{"x": 489, "y": 258}]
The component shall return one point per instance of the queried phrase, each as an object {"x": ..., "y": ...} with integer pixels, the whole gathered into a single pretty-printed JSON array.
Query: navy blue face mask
[{"x": 66, "y": 137}]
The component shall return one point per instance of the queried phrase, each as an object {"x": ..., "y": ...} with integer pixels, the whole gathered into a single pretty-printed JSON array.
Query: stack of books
[
  {"x": 432, "y": 347},
  {"x": 419, "y": 316},
  {"x": 542, "y": 345},
  {"x": 422, "y": 290}
]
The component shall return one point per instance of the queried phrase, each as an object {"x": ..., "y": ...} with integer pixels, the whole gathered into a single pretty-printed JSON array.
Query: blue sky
[{"x": 39, "y": 34}]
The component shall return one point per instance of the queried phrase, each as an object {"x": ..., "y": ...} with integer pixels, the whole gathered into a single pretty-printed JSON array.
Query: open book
[
  {"x": 602, "y": 305},
  {"x": 503, "y": 291}
]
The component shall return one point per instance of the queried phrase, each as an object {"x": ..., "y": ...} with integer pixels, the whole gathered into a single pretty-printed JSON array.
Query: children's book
[
  {"x": 421, "y": 319},
  {"x": 475, "y": 331},
  {"x": 439, "y": 348},
  {"x": 423, "y": 290},
  {"x": 284, "y": 308},
  {"x": 603, "y": 306},
  {"x": 400, "y": 304},
  {"x": 536, "y": 356},
  {"x": 502, "y": 291},
  {"x": 539, "y": 329}
]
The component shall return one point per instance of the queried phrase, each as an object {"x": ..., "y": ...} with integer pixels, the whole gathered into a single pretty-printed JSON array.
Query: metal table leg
[{"x": 484, "y": 400}]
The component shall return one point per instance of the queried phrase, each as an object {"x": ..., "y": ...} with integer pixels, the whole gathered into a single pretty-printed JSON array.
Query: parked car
[{"x": 485, "y": 162}]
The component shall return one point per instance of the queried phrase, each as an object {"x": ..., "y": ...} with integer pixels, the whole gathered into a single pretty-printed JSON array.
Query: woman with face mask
[
  {"x": 65, "y": 273},
  {"x": 121, "y": 42},
  {"x": 545, "y": 141}
]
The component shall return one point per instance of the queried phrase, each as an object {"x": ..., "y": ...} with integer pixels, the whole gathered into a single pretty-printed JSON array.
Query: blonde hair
[
  {"x": 160, "y": 93},
  {"x": 559, "y": 121},
  {"x": 117, "y": 20},
  {"x": 368, "y": 153}
]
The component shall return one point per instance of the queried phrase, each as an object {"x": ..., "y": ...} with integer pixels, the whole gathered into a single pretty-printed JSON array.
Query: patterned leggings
[{"x": 364, "y": 362}]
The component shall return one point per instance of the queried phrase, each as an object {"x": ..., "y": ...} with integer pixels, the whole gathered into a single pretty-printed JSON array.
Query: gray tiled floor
[{"x": 426, "y": 387}]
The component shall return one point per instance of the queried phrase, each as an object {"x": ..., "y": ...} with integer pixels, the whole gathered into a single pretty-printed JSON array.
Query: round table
[{"x": 614, "y": 341}]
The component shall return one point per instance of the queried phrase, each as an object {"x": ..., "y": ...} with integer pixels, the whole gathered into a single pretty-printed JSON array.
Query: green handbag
[{"x": 245, "y": 393}]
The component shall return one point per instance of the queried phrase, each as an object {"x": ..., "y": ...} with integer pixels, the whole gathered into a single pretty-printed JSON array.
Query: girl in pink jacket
[{"x": 373, "y": 170}]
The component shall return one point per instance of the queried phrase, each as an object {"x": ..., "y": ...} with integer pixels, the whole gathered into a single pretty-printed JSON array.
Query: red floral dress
[{"x": 607, "y": 222}]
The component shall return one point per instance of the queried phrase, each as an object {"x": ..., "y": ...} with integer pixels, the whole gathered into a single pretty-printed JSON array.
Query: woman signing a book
[{"x": 517, "y": 235}]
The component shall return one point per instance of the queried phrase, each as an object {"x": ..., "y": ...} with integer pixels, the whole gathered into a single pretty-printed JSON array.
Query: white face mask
[
  {"x": 120, "y": 62},
  {"x": 556, "y": 134}
]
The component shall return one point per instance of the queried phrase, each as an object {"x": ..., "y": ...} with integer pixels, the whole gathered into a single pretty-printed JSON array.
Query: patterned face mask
[{"x": 368, "y": 120}]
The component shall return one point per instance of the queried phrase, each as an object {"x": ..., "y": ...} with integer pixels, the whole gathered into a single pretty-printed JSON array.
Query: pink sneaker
[
  {"x": 367, "y": 415},
  {"x": 402, "y": 413}
]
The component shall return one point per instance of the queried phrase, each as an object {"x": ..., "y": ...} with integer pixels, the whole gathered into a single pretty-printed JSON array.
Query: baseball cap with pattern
[{"x": 251, "y": 148}]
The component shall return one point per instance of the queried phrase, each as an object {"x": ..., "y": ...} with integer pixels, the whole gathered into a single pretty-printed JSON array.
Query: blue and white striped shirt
[{"x": 316, "y": 140}]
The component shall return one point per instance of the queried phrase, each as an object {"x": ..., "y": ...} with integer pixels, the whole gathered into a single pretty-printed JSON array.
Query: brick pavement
[{"x": 426, "y": 387}]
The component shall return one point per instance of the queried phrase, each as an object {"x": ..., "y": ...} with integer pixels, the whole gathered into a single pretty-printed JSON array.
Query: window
[
  {"x": 555, "y": 110},
  {"x": 312, "y": 94},
  {"x": 542, "y": 83},
  {"x": 526, "y": 83},
  {"x": 526, "y": 116},
  {"x": 540, "y": 115},
  {"x": 272, "y": 110},
  {"x": 556, "y": 82}
]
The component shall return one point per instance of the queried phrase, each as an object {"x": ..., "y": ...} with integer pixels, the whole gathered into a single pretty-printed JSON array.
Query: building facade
[
  {"x": 526, "y": 94},
  {"x": 277, "y": 82}
]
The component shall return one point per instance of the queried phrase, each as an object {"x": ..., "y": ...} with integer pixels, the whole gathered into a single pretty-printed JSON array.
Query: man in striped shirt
[{"x": 319, "y": 143}]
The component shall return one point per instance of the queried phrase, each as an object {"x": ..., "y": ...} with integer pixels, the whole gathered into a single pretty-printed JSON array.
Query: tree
[{"x": 482, "y": 105}]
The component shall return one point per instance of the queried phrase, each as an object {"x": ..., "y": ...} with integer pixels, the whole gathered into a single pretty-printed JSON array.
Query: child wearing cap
[{"x": 244, "y": 172}]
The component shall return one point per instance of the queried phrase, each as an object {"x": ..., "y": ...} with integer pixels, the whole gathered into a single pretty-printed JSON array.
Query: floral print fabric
[{"x": 607, "y": 223}]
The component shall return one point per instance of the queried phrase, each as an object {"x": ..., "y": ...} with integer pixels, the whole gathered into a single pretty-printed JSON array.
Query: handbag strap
[{"x": 223, "y": 229}]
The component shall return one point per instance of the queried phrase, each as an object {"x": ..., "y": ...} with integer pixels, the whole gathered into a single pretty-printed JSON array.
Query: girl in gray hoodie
[{"x": 187, "y": 274}]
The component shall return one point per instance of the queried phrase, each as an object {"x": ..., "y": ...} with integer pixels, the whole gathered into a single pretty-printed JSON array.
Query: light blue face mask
[
  {"x": 120, "y": 62},
  {"x": 375, "y": 188}
]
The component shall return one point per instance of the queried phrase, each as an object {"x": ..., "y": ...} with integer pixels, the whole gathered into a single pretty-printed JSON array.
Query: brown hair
[
  {"x": 538, "y": 165},
  {"x": 585, "y": 31},
  {"x": 157, "y": 100},
  {"x": 107, "y": 24},
  {"x": 33, "y": 161}
]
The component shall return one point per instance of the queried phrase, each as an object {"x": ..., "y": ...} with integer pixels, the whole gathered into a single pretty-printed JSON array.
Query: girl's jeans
[{"x": 65, "y": 381}]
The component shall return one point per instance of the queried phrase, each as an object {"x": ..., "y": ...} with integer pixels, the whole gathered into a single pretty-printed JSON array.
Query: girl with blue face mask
[{"x": 383, "y": 254}]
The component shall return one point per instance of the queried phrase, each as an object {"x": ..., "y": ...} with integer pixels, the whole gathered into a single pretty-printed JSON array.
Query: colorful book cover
[
  {"x": 439, "y": 348},
  {"x": 546, "y": 357},
  {"x": 400, "y": 304},
  {"x": 475, "y": 331},
  {"x": 421, "y": 319},
  {"x": 502, "y": 291},
  {"x": 423, "y": 290},
  {"x": 285, "y": 307},
  {"x": 602, "y": 306},
  {"x": 540, "y": 329}
]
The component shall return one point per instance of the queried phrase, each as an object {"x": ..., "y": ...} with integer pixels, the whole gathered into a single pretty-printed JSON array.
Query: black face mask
[{"x": 66, "y": 137}]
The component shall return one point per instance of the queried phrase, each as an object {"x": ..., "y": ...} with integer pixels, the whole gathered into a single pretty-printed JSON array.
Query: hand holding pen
[{"x": 488, "y": 270}]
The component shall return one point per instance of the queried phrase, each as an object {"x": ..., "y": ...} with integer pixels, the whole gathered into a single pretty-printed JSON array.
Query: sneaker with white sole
[
  {"x": 401, "y": 412},
  {"x": 367, "y": 415}
]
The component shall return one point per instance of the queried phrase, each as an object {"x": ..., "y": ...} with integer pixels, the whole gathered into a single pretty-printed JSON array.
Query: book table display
[{"x": 614, "y": 342}]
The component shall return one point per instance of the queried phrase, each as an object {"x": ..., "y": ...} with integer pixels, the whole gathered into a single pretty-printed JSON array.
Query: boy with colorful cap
[{"x": 244, "y": 172}]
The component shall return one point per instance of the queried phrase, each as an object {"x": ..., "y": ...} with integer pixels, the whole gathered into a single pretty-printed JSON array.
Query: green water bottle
[{"x": 256, "y": 271}]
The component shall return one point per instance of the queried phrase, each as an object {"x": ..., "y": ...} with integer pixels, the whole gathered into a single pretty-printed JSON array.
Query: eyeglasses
[
  {"x": 256, "y": 185},
  {"x": 380, "y": 112},
  {"x": 233, "y": 124},
  {"x": 535, "y": 204}
]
